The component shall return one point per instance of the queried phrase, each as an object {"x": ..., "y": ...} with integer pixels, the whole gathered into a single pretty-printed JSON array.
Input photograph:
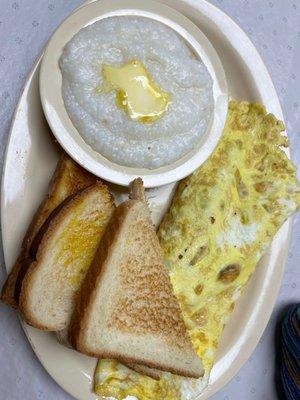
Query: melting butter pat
[{"x": 136, "y": 92}]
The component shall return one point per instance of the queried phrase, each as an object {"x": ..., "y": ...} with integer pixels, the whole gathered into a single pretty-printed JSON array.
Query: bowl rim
[{"x": 50, "y": 80}]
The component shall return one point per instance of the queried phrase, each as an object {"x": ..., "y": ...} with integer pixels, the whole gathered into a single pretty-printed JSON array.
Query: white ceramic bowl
[{"x": 68, "y": 136}]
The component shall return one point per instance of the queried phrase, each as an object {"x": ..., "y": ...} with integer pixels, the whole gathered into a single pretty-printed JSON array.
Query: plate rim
[{"x": 285, "y": 230}]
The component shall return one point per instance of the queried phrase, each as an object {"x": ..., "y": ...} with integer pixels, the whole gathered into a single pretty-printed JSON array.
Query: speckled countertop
[{"x": 274, "y": 27}]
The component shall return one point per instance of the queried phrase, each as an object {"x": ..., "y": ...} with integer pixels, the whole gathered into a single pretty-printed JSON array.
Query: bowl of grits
[{"x": 133, "y": 88}]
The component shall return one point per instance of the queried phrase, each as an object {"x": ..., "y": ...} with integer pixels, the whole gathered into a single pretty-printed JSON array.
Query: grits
[{"x": 168, "y": 60}]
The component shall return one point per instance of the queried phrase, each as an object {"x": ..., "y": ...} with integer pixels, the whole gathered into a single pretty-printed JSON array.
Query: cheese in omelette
[{"x": 221, "y": 220}]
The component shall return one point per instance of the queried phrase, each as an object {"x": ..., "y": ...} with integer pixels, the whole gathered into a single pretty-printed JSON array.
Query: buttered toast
[
  {"x": 126, "y": 309},
  {"x": 67, "y": 179},
  {"x": 64, "y": 250}
]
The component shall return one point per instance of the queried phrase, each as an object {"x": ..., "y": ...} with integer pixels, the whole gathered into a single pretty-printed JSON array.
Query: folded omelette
[{"x": 221, "y": 221}]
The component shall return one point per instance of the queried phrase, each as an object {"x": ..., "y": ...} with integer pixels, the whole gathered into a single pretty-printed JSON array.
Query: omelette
[{"x": 222, "y": 219}]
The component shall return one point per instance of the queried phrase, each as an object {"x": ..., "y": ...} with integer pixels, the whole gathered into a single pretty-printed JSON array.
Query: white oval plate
[
  {"x": 66, "y": 133},
  {"x": 31, "y": 148}
]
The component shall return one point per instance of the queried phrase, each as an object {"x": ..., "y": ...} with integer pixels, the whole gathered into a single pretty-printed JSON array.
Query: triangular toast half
[
  {"x": 67, "y": 179},
  {"x": 126, "y": 309},
  {"x": 144, "y": 370},
  {"x": 64, "y": 249}
]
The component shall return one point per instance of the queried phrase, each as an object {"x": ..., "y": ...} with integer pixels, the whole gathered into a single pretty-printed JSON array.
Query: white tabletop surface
[{"x": 274, "y": 27}]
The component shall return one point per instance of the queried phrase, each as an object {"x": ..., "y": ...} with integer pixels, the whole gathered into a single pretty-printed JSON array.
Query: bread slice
[
  {"x": 65, "y": 247},
  {"x": 144, "y": 370},
  {"x": 67, "y": 179},
  {"x": 62, "y": 337},
  {"x": 126, "y": 309}
]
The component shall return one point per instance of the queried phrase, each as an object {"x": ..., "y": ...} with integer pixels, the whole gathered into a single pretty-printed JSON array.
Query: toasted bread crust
[
  {"x": 88, "y": 293},
  {"x": 137, "y": 190},
  {"x": 26, "y": 262},
  {"x": 51, "y": 225},
  {"x": 144, "y": 370},
  {"x": 67, "y": 179},
  {"x": 8, "y": 290},
  {"x": 23, "y": 300},
  {"x": 110, "y": 355},
  {"x": 33, "y": 249}
]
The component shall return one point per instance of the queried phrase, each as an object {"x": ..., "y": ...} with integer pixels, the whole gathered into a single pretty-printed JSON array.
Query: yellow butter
[{"x": 136, "y": 92}]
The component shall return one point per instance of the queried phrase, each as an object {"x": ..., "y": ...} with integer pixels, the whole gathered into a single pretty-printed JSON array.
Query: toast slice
[
  {"x": 126, "y": 309},
  {"x": 67, "y": 179},
  {"x": 63, "y": 251},
  {"x": 62, "y": 337},
  {"x": 144, "y": 370}
]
